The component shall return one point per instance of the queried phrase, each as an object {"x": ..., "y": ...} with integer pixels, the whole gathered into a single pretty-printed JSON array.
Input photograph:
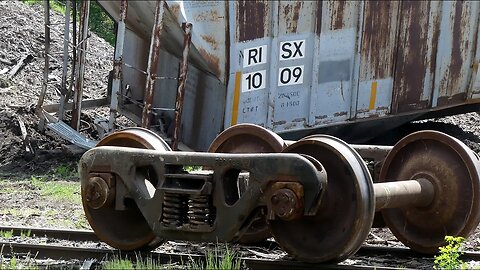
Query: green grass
[
  {"x": 9, "y": 234},
  {"x": 192, "y": 168},
  {"x": 118, "y": 263},
  {"x": 6, "y": 234},
  {"x": 141, "y": 263},
  {"x": 14, "y": 263},
  {"x": 65, "y": 171},
  {"x": 58, "y": 190},
  {"x": 218, "y": 259},
  {"x": 25, "y": 234}
]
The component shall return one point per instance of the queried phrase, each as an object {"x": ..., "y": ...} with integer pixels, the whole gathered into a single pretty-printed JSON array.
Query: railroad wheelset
[
  {"x": 249, "y": 138},
  {"x": 318, "y": 195},
  {"x": 126, "y": 229}
]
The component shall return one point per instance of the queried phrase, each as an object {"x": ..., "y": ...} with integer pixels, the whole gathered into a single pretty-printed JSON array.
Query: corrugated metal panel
[
  {"x": 210, "y": 32},
  {"x": 378, "y": 45},
  {"x": 455, "y": 51},
  {"x": 249, "y": 62},
  {"x": 334, "y": 61},
  {"x": 475, "y": 81},
  {"x": 413, "y": 85},
  {"x": 291, "y": 59},
  {"x": 253, "y": 19}
]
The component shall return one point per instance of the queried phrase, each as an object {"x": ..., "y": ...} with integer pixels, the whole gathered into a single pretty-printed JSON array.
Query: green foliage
[
  {"x": 6, "y": 234},
  {"x": 25, "y": 234},
  {"x": 9, "y": 234},
  {"x": 99, "y": 23},
  {"x": 218, "y": 259},
  {"x": 449, "y": 257},
  {"x": 192, "y": 168},
  {"x": 65, "y": 171}
]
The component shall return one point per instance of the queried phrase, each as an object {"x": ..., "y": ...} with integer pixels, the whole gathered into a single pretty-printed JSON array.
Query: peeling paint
[{"x": 211, "y": 40}]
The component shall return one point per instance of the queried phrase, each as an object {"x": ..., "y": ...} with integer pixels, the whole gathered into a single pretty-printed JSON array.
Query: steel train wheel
[
  {"x": 454, "y": 171},
  {"x": 127, "y": 229},
  {"x": 347, "y": 208},
  {"x": 249, "y": 138}
]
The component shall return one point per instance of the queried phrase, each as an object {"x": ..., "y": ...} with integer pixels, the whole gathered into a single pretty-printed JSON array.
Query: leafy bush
[{"x": 449, "y": 257}]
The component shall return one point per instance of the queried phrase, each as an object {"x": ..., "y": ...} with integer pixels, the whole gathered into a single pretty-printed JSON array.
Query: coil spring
[
  {"x": 200, "y": 211},
  {"x": 175, "y": 209}
]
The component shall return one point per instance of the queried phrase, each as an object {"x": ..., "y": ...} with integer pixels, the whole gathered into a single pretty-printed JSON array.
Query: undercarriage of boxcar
[{"x": 316, "y": 196}]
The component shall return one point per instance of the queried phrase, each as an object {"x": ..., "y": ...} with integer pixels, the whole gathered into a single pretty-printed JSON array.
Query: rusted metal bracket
[
  {"x": 118, "y": 65},
  {"x": 80, "y": 70},
  {"x": 152, "y": 63},
  {"x": 182, "y": 82}
]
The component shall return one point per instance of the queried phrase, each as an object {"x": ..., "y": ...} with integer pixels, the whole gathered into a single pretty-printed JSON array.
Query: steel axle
[{"x": 405, "y": 193}]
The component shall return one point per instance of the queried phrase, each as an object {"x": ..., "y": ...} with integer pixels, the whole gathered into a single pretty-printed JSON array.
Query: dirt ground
[{"x": 42, "y": 153}]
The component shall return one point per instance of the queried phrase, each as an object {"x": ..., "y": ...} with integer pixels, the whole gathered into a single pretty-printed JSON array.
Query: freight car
[{"x": 296, "y": 67}]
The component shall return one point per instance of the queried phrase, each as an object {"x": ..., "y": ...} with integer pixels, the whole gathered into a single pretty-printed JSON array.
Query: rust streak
[
  {"x": 377, "y": 47},
  {"x": 318, "y": 22},
  {"x": 211, "y": 40},
  {"x": 175, "y": 9},
  {"x": 152, "y": 64},
  {"x": 208, "y": 16},
  {"x": 212, "y": 61},
  {"x": 182, "y": 82},
  {"x": 412, "y": 56},
  {"x": 251, "y": 17},
  {"x": 457, "y": 55},
  {"x": 337, "y": 14},
  {"x": 292, "y": 16}
]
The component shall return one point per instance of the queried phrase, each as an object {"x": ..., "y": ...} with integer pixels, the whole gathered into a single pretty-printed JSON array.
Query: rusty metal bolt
[
  {"x": 97, "y": 192},
  {"x": 285, "y": 204}
]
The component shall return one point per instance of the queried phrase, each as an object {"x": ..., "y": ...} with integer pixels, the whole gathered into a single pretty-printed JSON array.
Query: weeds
[
  {"x": 14, "y": 263},
  {"x": 118, "y": 263},
  {"x": 216, "y": 260},
  {"x": 9, "y": 234},
  {"x": 6, "y": 234},
  {"x": 25, "y": 234},
  {"x": 449, "y": 257},
  {"x": 65, "y": 171},
  {"x": 148, "y": 263},
  {"x": 192, "y": 168}
]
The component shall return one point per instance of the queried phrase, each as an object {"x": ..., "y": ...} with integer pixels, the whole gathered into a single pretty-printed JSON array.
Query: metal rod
[
  {"x": 182, "y": 82},
  {"x": 376, "y": 152},
  {"x": 77, "y": 98},
  {"x": 408, "y": 193},
  {"x": 74, "y": 51},
  {"x": 117, "y": 65},
  {"x": 152, "y": 63},
  {"x": 46, "y": 6},
  {"x": 66, "y": 38}
]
